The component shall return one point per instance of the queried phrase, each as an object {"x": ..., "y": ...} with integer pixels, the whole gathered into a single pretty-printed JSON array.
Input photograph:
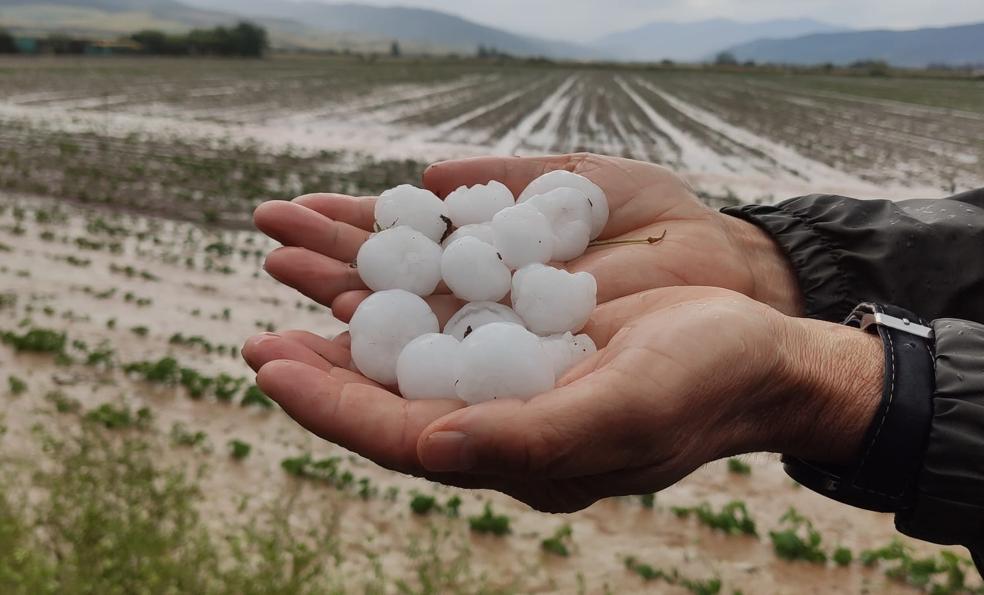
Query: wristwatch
[{"x": 883, "y": 476}]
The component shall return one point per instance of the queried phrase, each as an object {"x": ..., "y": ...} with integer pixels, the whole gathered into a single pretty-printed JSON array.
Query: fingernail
[
  {"x": 264, "y": 337},
  {"x": 448, "y": 451}
]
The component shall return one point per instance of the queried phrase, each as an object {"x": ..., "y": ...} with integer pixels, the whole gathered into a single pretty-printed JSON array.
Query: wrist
[
  {"x": 772, "y": 277},
  {"x": 834, "y": 376}
]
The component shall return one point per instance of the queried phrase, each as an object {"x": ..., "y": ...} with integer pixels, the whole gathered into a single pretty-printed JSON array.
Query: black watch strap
[{"x": 882, "y": 478}]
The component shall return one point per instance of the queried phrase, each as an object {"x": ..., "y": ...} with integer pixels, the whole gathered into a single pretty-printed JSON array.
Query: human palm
[
  {"x": 634, "y": 418},
  {"x": 322, "y": 233}
]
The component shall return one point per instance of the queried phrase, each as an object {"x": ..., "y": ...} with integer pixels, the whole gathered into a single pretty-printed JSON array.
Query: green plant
[
  {"x": 650, "y": 573},
  {"x": 842, "y": 556},
  {"x": 733, "y": 518},
  {"x": 739, "y": 467},
  {"x": 422, "y": 504},
  {"x": 489, "y": 522},
  {"x": 119, "y": 417},
  {"x": 36, "y": 340},
  {"x": 559, "y": 544},
  {"x": 798, "y": 540},
  {"x": 182, "y": 436},
  {"x": 944, "y": 574},
  {"x": 452, "y": 507},
  {"x": 648, "y": 501},
  {"x": 239, "y": 449},
  {"x": 62, "y": 403},
  {"x": 255, "y": 397},
  {"x": 16, "y": 385}
]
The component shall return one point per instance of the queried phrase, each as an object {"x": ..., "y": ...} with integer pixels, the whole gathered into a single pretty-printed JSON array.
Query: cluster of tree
[
  {"x": 7, "y": 43},
  {"x": 245, "y": 39}
]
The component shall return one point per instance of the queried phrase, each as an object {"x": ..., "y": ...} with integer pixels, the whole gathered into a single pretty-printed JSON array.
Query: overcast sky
[{"x": 578, "y": 20}]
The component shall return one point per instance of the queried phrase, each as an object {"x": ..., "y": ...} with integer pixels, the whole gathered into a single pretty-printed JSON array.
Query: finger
[
  {"x": 317, "y": 276},
  {"x": 356, "y": 211},
  {"x": 333, "y": 351},
  {"x": 365, "y": 419},
  {"x": 611, "y": 317},
  {"x": 268, "y": 347},
  {"x": 515, "y": 172},
  {"x": 444, "y": 306},
  {"x": 294, "y": 225},
  {"x": 571, "y": 431}
]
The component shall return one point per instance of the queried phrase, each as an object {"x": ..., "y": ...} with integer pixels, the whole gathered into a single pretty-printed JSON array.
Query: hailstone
[
  {"x": 569, "y": 213},
  {"x": 479, "y": 203},
  {"x": 383, "y": 324},
  {"x": 476, "y": 314},
  {"x": 400, "y": 258},
  {"x": 502, "y": 360},
  {"x": 474, "y": 271},
  {"x": 427, "y": 366},
  {"x": 481, "y": 231},
  {"x": 564, "y": 179},
  {"x": 408, "y": 205},
  {"x": 567, "y": 350},
  {"x": 553, "y": 301},
  {"x": 522, "y": 236}
]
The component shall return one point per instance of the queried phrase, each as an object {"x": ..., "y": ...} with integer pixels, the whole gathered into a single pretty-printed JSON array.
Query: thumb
[{"x": 580, "y": 429}]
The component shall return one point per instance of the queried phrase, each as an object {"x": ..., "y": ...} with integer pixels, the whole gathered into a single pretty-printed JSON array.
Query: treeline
[{"x": 245, "y": 39}]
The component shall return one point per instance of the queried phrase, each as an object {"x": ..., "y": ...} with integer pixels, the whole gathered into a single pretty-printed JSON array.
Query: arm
[{"x": 923, "y": 255}]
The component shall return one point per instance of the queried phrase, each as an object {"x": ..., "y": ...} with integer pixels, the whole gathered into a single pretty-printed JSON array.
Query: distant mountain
[
  {"x": 960, "y": 45},
  {"x": 405, "y": 24},
  {"x": 101, "y": 17},
  {"x": 699, "y": 40}
]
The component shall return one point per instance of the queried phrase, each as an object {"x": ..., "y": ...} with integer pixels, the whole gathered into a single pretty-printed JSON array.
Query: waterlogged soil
[{"x": 236, "y": 299}]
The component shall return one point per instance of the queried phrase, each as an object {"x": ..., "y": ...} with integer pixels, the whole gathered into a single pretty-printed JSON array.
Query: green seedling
[
  {"x": 560, "y": 543},
  {"x": 489, "y": 523},
  {"x": 798, "y": 540},
  {"x": 733, "y": 518},
  {"x": 239, "y": 450}
]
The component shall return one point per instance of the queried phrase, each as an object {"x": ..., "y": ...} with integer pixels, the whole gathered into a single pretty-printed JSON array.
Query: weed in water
[
  {"x": 16, "y": 386},
  {"x": 739, "y": 467},
  {"x": 560, "y": 543},
  {"x": 733, "y": 518},
  {"x": 489, "y": 522},
  {"x": 239, "y": 450},
  {"x": 798, "y": 540}
]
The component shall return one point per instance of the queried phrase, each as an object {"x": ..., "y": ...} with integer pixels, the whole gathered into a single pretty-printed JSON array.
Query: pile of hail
[{"x": 484, "y": 245}]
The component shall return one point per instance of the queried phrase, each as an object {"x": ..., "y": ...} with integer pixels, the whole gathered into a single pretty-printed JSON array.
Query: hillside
[
  {"x": 957, "y": 45},
  {"x": 698, "y": 40},
  {"x": 406, "y": 24}
]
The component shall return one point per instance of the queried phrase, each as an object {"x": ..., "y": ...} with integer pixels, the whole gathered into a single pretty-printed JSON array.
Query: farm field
[{"x": 130, "y": 276}]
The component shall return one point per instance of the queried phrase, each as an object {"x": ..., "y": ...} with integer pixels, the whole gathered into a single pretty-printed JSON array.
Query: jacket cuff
[
  {"x": 823, "y": 281},
  {"x": 949, "y": 505}
]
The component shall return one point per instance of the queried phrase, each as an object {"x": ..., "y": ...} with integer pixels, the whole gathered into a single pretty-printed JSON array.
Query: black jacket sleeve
[
  {"x": 926, "y": 256},
  {"x": 949, "y": 504}
]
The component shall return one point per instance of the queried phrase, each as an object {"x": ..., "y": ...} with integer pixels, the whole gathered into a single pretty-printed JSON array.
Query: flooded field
[{"x": 129, "y": 277}]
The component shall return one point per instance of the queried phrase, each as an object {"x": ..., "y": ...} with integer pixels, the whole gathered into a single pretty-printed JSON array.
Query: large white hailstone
[
  {"x": 400, "y": 258},
  {"x": 561, "y": 178},
  {"x": 476, "y": 314},
  {"x": 502, "y": 360},
  {"x": 567, "y": 350},
  {"x": 552, "y": 301},
  {"x": 427, "y": 366},
  {"x": 474, "y": 271},
  {"x": 522, "y": 236},
  {"x": 408, "y": 205},
  {"x": 481, "y": 231},
  {"x": 383, "y": 324},
  {"x": 569, "y": 213},
  {"x": 479, "y": 203}
]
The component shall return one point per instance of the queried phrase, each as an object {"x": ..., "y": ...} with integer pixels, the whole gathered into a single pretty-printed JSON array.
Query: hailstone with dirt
[{"x": 515, "y": 333}]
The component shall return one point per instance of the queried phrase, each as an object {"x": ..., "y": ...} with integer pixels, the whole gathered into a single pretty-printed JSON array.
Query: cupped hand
[
  {"x": 322, "y": 233},
  {"x": 683, "y": 376}
]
